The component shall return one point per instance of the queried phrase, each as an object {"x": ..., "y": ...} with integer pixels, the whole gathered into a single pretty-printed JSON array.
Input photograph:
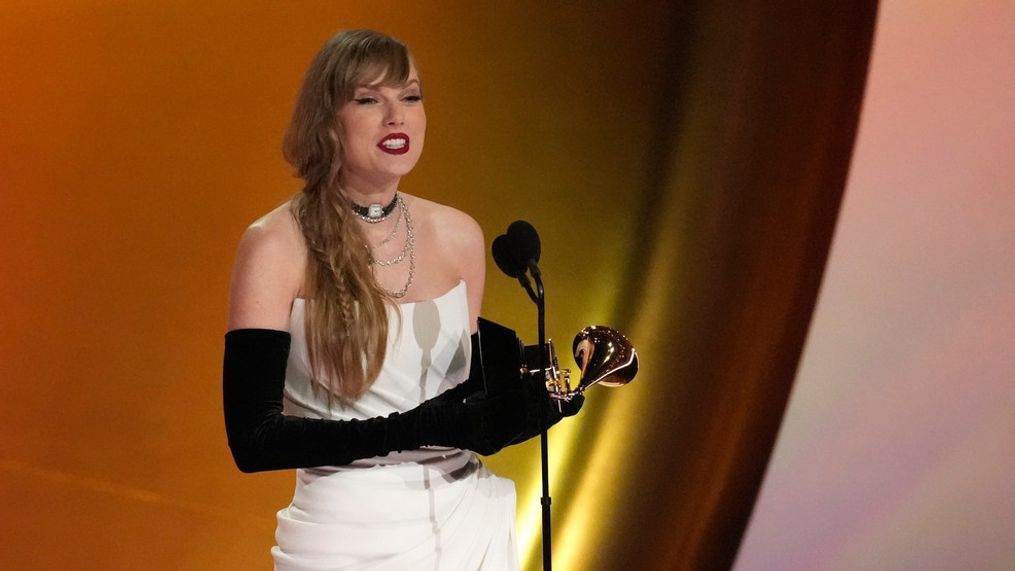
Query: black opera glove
[
  {"x": 504, "y": 408},
  {"x": 496, "y": 366},
  {"x": 262, "y": 438},
  {"x": 544, "y": 412}
]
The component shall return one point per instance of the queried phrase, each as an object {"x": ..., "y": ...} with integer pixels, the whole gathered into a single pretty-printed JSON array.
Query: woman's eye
[
  {"x": 414, "y": 98},
  {"x": 365, "y": 100}
]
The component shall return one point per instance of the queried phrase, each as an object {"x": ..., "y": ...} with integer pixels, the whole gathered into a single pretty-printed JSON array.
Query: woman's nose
[{"x": 394, "y": 116}]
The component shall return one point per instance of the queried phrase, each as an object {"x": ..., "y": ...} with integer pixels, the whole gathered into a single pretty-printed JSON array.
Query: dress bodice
[{"x": 428, "y": 351}]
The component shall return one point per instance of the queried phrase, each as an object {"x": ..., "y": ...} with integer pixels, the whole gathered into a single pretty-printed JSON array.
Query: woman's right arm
[{"x": 262, "y": 438}]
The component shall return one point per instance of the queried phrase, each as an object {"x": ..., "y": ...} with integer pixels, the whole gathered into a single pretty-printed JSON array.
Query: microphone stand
[
  {"x": 524, "y": 280},
  {"x": 516, "y": 254},
  {"x": 544, "y": 363}
]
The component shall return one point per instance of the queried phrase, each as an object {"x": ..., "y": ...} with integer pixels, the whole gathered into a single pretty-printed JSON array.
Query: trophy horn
[{"x": 605, "y": 356}]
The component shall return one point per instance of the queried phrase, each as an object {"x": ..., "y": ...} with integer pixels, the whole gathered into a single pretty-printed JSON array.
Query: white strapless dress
[{"x": 432, "y": 508}]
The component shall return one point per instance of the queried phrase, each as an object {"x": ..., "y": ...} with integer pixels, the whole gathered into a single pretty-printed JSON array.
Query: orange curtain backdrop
[
  {"x": 683, "y": 163},
  {"x": 760, "y": 126}
]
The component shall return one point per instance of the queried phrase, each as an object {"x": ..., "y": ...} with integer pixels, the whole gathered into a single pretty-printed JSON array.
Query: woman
[{"x": 352, "y": 322}]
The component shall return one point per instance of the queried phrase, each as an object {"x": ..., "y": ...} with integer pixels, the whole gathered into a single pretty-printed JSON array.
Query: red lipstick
[{"x": 395, "y": 144}]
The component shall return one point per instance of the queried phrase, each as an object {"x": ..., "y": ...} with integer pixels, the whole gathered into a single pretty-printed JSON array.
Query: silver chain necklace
[
  {"x": 394, "y": 229},
  {"x": 409, "y": 248}
]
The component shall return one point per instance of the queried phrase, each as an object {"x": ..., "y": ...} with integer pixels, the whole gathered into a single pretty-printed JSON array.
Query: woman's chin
[{"x": 402, "y": 167}]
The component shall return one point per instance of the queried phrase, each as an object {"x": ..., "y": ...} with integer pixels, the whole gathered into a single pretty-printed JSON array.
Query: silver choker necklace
[{"x": 376, "y": 212}]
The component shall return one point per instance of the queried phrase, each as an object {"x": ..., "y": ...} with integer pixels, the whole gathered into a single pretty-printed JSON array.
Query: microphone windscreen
[
  {"x": 503, "y": 258},
  {"x": 523, "y": 241}
]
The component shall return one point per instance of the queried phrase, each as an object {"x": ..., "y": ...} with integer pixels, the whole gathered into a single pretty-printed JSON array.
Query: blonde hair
[{"x": 346, "y": 310}]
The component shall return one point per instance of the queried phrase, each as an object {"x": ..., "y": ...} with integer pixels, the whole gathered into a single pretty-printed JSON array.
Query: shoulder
[
  {"x": 268, "y": 271},
  {"x": 275, "y": 234},
  {"x": 451, "y": 226},
  {"x": 459, "y": 238},
  {"x": 273, "y": 243}
]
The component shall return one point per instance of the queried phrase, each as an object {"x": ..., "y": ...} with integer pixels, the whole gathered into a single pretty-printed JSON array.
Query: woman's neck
[{"x": 364, "y": 192}]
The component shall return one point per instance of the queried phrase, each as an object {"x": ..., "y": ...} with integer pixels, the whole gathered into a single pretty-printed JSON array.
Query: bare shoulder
[
  {"x": 277, "y": 229},
  {"x": 460, "y": 239},
  {"x": 268, "y": 272},
  {"x": 451, "y": 226}
]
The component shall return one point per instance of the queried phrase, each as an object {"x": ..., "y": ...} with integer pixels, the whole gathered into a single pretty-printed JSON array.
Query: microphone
[
  {"x": 510, "y": 265},
  {"x": 523, "y": 243},
  {"x": 504, "y": 259}
]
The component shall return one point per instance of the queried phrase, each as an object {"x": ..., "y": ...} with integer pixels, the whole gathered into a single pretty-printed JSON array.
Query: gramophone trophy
[{"x": 603, "y": 355}]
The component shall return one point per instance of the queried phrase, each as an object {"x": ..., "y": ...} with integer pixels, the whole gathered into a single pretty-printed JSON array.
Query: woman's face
[{"x": 383, "y": 128}]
